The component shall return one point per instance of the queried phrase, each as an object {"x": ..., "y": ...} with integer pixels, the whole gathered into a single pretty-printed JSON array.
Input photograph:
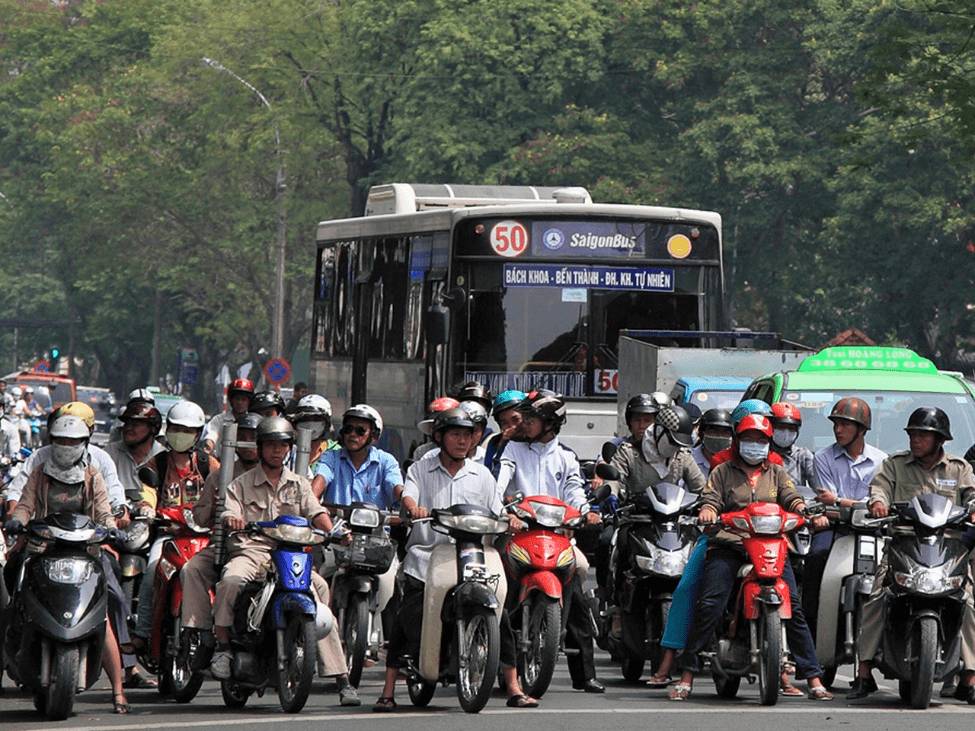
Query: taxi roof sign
[{"x": 902, "y": 360}]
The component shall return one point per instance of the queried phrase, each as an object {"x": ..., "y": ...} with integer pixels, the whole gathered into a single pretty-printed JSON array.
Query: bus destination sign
[{"x": 642, "y": 279}]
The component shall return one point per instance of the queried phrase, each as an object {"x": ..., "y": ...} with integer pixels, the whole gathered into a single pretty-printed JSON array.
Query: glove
[{"x": 12, "y": 526}]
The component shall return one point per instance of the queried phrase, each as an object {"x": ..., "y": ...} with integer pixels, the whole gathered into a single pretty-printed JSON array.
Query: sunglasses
[{"x": 359, "y": 431}]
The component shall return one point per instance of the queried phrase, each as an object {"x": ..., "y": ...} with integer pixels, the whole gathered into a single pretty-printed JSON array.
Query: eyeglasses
[{"x": 360, "y": 431}]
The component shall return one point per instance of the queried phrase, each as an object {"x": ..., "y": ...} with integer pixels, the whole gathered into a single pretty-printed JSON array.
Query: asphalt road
[{"x": 623, "y": 707}]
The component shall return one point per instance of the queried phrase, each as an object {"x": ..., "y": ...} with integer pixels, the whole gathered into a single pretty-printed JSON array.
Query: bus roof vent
[{"x": 412, "y": 197}]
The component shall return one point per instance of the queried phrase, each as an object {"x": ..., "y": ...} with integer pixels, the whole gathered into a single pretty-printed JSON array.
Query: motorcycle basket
[{"x": 368, "y": 552}]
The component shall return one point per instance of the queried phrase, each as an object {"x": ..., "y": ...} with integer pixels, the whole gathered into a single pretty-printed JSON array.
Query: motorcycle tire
[
  {"x": 537, "y": 664},
  {"x": 727, "y": 687},
  {"x": 233, "y": 695},
  {"x": 478, "y": 653},
  {"x": 904, "y": 690},
  {"x": 632, "y": 668},
  {"x": 769, "y": 656},
  {"x": 180, "y": 682},
  {"x": 421, "y": 692},
  {"x": 925, "y": 650},
  {"x": 300, "y": 659},
  {"x": 355, "y": 636},
  {"x": 64, "y": 682}
]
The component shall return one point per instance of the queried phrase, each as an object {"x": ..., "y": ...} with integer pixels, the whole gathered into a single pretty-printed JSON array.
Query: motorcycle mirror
[
  {"x": 603, "y": 491},
  {"x": 608, "y": 451},
  {"x": 588, "y": 469},
  {"x": 516, "y": 498},
  {"x": 148, "y": 476},
  {"x": 607, "y": 471}
]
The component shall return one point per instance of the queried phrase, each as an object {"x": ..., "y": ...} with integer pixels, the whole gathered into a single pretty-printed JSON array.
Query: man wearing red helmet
[
  {"x": 747, "y": 477},
  {"x": 239, "y": 395},
  {"x": 798, "y": 461}
]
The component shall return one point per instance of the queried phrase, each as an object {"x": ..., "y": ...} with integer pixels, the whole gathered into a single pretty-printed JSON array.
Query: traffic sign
[
  {"x": 277, "y": 370},
  {"x": 42, "y": 366}
]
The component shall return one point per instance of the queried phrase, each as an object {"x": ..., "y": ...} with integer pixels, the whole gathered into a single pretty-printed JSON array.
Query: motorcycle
[
  {"x": 172, "y": 652},
  {"x": 647, "y": 568},
  {"x": 56, "y": 621},
  {"x": 460, "y": 635},
  {"x": 800, "y": 541},
  {"x": 926, "y": 582},
  {"x": 848, "y": 579},
  {"x": 363, "y": 584},
  {"x": 751, "y": 637},
  {"x": 278, "y": 620},
  {"x": 133, "y": 556}
]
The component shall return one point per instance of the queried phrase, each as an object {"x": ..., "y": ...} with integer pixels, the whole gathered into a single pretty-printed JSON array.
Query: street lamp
[{"x": 277, "y": 322}]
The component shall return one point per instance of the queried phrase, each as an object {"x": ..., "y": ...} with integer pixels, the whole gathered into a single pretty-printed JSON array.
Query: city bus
[{"x": 515, "y": 287}]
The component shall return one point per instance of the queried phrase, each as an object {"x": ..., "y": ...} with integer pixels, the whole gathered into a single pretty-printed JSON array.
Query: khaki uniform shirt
[
  {"x": 637, "y": 474},
  {"x": 733, "y": 485},
  {"x": 251, "y": 497},
  {"x": 902, "y": 477}
]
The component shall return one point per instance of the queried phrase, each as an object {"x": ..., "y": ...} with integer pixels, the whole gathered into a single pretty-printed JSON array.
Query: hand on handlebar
[
  {"x": 231, "y": 523},
  {"x": 592, "y": 518},
  {"x": 417, "y": 512},
  {"x": 878, "y": 510},
  {"x": 707, "y": 515},
  {"x": 819, "y": 522}
]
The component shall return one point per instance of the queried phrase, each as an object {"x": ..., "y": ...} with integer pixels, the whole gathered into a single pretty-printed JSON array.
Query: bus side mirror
[{"x": 438, "y": 325}]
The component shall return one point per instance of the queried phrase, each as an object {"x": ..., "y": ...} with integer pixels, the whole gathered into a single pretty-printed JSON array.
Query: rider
[
  {"x": 478, "y": 393},
  {"x": 426, "y": 425},
  {"x": 68, "y": 481},
  {"x": 924, "y": 468},
  {"x": 314, "y": 413},
  {"x": 536, "y": 463},
  {"x": 715, "y": 431},
  {"x": 204, "y": 512},
  {"x": 267, "y": 403},
  {"x": 798, "y": 461},
  {"x": 449, "y": 478},
  {"x": 141, "y": 422},
  {"x": 359, "y": 471},
  {"x": 508, "y": 418},
  {"x": 239, "y": 396},
  {"x": 844, "y": 469},
  {"x": 747, "y": 477},
  {"x": 261, "y": 494}
]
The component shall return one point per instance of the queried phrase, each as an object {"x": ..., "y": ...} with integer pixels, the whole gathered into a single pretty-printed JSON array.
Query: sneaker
[
  {"x": 220, "y": 665},
  {"x": 349, "y": 696}
]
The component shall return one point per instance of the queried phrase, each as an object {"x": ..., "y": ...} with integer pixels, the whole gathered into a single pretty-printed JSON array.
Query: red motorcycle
[
  {"x": 171, "y": 653},
  {"x": 540, "y": 561},
  {"x": 751, "y": 639}
]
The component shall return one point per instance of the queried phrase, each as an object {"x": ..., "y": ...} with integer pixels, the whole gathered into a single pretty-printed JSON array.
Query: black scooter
[{"x": 54, "y": 628}]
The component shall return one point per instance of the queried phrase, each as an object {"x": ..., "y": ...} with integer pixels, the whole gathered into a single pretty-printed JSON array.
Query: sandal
[
  {"x": 120, "y": 704},
  {"x": 386, "y": 704},
  {"x": 790, "y": 690},
  {"x": 138, "y": 681},
  {"x": 660, "y": 681},
  {"x": 680, "y": 692},
  {"x": 136, "y": 644},
  {"x": 522, "y": 701},
  {"x": 819, "y": 693}
]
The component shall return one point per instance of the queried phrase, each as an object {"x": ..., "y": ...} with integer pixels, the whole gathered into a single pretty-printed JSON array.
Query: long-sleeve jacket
[
  {"x": 35, "y": 499},
  {"x": 902, "y": 477},
  {"x": 637, "y": 474}
]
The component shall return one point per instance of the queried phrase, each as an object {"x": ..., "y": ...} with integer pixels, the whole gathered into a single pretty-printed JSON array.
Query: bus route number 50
[{"x": 509, "y": 238}]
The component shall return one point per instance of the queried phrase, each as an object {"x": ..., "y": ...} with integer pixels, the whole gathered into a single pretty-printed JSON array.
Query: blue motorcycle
[{"x": 278, "y": 620}]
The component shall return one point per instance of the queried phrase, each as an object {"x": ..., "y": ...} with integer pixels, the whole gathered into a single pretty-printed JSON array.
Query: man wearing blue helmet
[{"x": 508, "y": 418}]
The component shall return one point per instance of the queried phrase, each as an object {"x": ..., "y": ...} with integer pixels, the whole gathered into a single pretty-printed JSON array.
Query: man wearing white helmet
[
  {"x": 96, "y": 455},
  {"x": 314, "y": 413},
  {"x": 69, "y": 482},
  {"x": 183, "y": 467}
]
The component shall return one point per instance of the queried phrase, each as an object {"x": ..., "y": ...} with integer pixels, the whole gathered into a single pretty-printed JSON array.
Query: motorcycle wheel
[
  {"x": 64, "y": 682},
  {"x": 421, "y": 692},
  {"x": 925, "y": 650},
  {"x": 537, "y": 665},
  {"x": 656, "y": 626},
  {"x": 233, "y": 695},
  {"x": 632, "y": 668},
  {"x": 355, "y": 637},
  {"x": 904, "y": 690},
  {"x": 727, "y": 687},
  {"x": 479, "y": 651},
  {"x": 769, "y": 656},
  {"x": 829, "y": 675},
  {"x": 300, "y": 656},
  {"x": 180, "y": 682}
]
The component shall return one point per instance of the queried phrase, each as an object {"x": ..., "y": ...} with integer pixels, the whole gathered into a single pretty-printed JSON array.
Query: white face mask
[
  {"x": 753, "y": 452},
  {"x": 180, "y": 442},
  {"x": 64, "y": 456},
  {"x": 784, "y": 438},
  {"x": 665, "y": 446}
]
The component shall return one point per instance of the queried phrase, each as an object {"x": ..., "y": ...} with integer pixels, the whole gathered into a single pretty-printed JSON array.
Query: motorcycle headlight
[
  {"x": 665, "y": 563},
  {"x": 68, "y": 570},
  {"x": 136, "y": 535},
  {"x": 767, "y": 525},
  {"x": 925, "y": 580},
  {"x": 364, "y": 518},
  {"x": 551, "y": 516}
]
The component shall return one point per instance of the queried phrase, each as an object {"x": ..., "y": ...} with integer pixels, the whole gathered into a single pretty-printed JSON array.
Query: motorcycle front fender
[
  {"x": 132, "y": 564},
  {"x": 475, "y": 594},
  {"x": 543, "y": 581},
  {"x": 292, "y": 602},
  {"x": 755, "y": 594}
]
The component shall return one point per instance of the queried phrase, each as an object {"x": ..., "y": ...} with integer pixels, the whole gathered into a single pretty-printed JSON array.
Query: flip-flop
[
  {"x": 522, "y": 701},
  {"x": 136, "y": 644},
  {"x": 819, "y": 693},
  {"x": 120, "y": 706},
  {"x": 386, "y": 704},
  {"x": 680, "y": 692},
  {"x": 790, "y": 690},
  {"x": 660, "y": 681},
  {"x": 140, "y": 682}
]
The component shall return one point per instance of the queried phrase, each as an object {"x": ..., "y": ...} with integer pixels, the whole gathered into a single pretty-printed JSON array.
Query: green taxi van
[{"x": 893, "y": 381}]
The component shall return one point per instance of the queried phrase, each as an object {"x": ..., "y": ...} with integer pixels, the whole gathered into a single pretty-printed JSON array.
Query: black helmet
[
  {"x": 275, "y": 429},
  {"x": 474, "y": 391},
  {"x": 645, "y": 403},
  {"x": 678, "y": 424},
  {"x": 451, "y": 417},
  {"x": 138, "y": 410},
  {"x": 929, "y": 418},
  {"x": 267, "y": 399},
  {"x": 716, "y": 417},
  {"x": 692, "y": 411},
  {"x": 249, "y": 420},
  {"x": 544, "y": 404}
]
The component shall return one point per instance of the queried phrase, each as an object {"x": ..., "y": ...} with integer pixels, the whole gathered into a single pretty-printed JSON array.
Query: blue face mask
[{"x": 753, "y": 452}]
